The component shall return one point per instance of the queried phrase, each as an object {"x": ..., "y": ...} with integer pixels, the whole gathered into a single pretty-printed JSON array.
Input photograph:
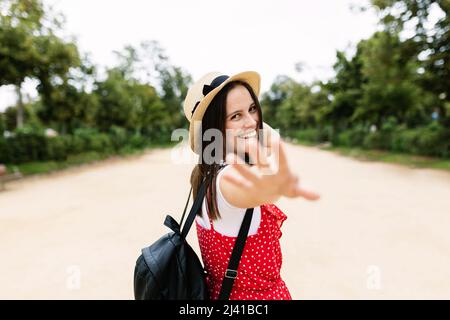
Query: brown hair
[{"x": 214, "y": 118}]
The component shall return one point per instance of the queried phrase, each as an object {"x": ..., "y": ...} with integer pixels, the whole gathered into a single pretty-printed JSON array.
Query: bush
[
  {"x": 4, "y": 150},
  {"x": 100, "y": 142},
  {"x": 432, "y": 140},
  {"x": 83, "y": 139},
  {"x": 405, "y": 140},
  {"x": 326, "y": 134},
  {"x": 377, "y": 140},
  {"x": 350, "y": 138},
  {"x": 30, "y": 144},
  {"x": 309, "y": 135},
  {"x": 27, "y": 144},
  {"x": 138, "y": 141},
  {"x": 76, "y": 144},
  {"x": 57, "y": 148},
  {"x": 119, "y": 137}
]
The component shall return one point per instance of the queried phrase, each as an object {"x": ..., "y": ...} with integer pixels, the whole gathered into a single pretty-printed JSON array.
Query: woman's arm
[{"x": 266, "y": 181}]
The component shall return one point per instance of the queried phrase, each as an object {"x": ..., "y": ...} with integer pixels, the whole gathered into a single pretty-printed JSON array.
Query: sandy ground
[{"x": 380, "y": 231}]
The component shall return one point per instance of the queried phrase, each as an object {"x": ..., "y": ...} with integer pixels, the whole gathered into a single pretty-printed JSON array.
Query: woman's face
[{"x": 241, "y": 120}]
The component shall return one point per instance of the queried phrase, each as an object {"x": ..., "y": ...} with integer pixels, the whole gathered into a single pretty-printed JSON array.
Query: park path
[{"x": 380, "y": 231}]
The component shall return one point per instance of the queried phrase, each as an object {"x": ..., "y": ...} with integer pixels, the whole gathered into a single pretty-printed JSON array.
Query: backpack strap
[
  {"x": 185, "y": 207},
  {"x": 231, "y": 273},
  {"x": 195, "y": 208},
  {"x": 200, "y": 195}
]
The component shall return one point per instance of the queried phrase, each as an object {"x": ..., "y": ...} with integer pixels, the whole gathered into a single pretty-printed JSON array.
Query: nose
[{"x": 250, "y": 122}]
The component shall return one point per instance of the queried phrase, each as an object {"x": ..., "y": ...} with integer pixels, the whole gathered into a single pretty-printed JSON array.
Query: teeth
[{"x": 250, "y": 134}]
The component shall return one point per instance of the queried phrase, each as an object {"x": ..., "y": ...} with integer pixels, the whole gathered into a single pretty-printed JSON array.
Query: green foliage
[
  {"x": 351, "y": 137},
  {"x": 382, "y": 97},
  {"x": 119, "y": 137},
  {"x": 27, "y": 144},
  {"x": 391, "y": 87},
  {"x": 5, "y": 153},
  {"x": 307, "y": 135},
  {"x": 58, "y": 148},
  {"x": 30, "y": 144},
  {"x": 376, "y": 140},
  {"x": 395, "y": 14},
  {"x": 433, "y": 140},
  {"x": 2, "y": 124},
  {"x": 29, "y": 48},
  {"x": 138, "y": 142},
  {"x": 92, "y": 140},
  {"x": 18, "y": 55}
]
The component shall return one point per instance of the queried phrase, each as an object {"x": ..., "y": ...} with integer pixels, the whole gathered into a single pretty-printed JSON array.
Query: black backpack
[{"x": 169, "y": 269}]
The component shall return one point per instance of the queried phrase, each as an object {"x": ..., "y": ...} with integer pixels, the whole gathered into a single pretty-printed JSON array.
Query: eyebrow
[{"x": 240, "y": 110}]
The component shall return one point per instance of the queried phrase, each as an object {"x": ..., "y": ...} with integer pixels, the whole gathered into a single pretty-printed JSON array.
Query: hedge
[
  {"x": 31, "y": 145},
  {"x": 432, "y": 140}
]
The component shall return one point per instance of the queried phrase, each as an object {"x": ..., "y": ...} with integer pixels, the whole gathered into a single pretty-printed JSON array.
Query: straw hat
[{"x": 202, "y": 92}]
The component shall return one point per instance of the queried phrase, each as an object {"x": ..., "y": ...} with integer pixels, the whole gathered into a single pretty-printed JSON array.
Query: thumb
[{"x": 306, "y": 193}]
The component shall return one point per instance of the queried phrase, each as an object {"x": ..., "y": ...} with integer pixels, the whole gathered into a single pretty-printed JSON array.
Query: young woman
[{"x": 229, "y": 105}]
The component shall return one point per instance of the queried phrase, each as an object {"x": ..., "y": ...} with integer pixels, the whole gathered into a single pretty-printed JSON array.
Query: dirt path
[{"x": 380, "y": 231}]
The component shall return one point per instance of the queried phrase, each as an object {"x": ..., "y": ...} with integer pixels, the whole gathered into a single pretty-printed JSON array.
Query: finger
[
  {"x": 233, "y": 159},
  {"x": 263, "y": 154},
  {"x": 243, "y": 169},
  {"x": 257, "y": 154},
  {"x": 307, "y": 194},
  {"x": 264, "y": 136},
  {"x": 282, "y": 154},
  {"x": 279, "y": 161},
  {"x": 268, "y": 134},
  {"x": 252, "y": 151}
]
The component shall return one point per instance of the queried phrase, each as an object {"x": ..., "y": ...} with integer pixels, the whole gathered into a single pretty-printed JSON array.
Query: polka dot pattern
[{"x": 259, "y": 268}]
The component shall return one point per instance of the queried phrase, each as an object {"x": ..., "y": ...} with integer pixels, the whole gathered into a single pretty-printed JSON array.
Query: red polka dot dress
[{"x": 259, "y": 268}]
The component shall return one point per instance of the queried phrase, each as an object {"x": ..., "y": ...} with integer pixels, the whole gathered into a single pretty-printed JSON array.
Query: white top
[{"x": 231, "y": 216}]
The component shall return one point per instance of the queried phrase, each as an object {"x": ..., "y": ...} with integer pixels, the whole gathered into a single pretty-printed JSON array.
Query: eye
[
  {"x": 235, "y": 116},
  {"x": 253, "y": 109}
]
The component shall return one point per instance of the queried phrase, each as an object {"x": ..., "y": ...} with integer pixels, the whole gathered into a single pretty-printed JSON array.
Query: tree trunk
[{"x": 19, "y": 118}]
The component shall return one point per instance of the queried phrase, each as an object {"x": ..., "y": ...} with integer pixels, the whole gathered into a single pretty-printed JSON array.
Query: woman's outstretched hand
[{"x": 270, "y": 173}]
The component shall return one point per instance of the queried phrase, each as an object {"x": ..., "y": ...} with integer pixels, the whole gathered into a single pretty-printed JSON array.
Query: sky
[{"x": 230, "y": 36}]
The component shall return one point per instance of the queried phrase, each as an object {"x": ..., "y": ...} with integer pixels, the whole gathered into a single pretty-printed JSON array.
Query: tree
[
  {"x": 59, "y": 97},
  {"x": 30, "y": 48},
  {"x": 344, "y": 90},
  {"x": 132, "y": 105},
  {"x": 154, "y": 120},
  {"x": 150, "y": 64},
  {"x": 431, "y": 43},
  {"x": 20, "y": 20},
  {"x": 391, "y": 88},
  {"x": 116, "y": 103},
  {"x": 66, "y": 108},
  {"x": 174, "y": 86},
  {"x": 272, "y": 100}
]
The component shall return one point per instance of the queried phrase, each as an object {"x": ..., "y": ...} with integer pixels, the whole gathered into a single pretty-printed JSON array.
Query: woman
[{"x": 229, "y": 105}]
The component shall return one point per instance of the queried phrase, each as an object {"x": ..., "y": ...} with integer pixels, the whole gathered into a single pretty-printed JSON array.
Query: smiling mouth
[{"x": 248, "y": 135}]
